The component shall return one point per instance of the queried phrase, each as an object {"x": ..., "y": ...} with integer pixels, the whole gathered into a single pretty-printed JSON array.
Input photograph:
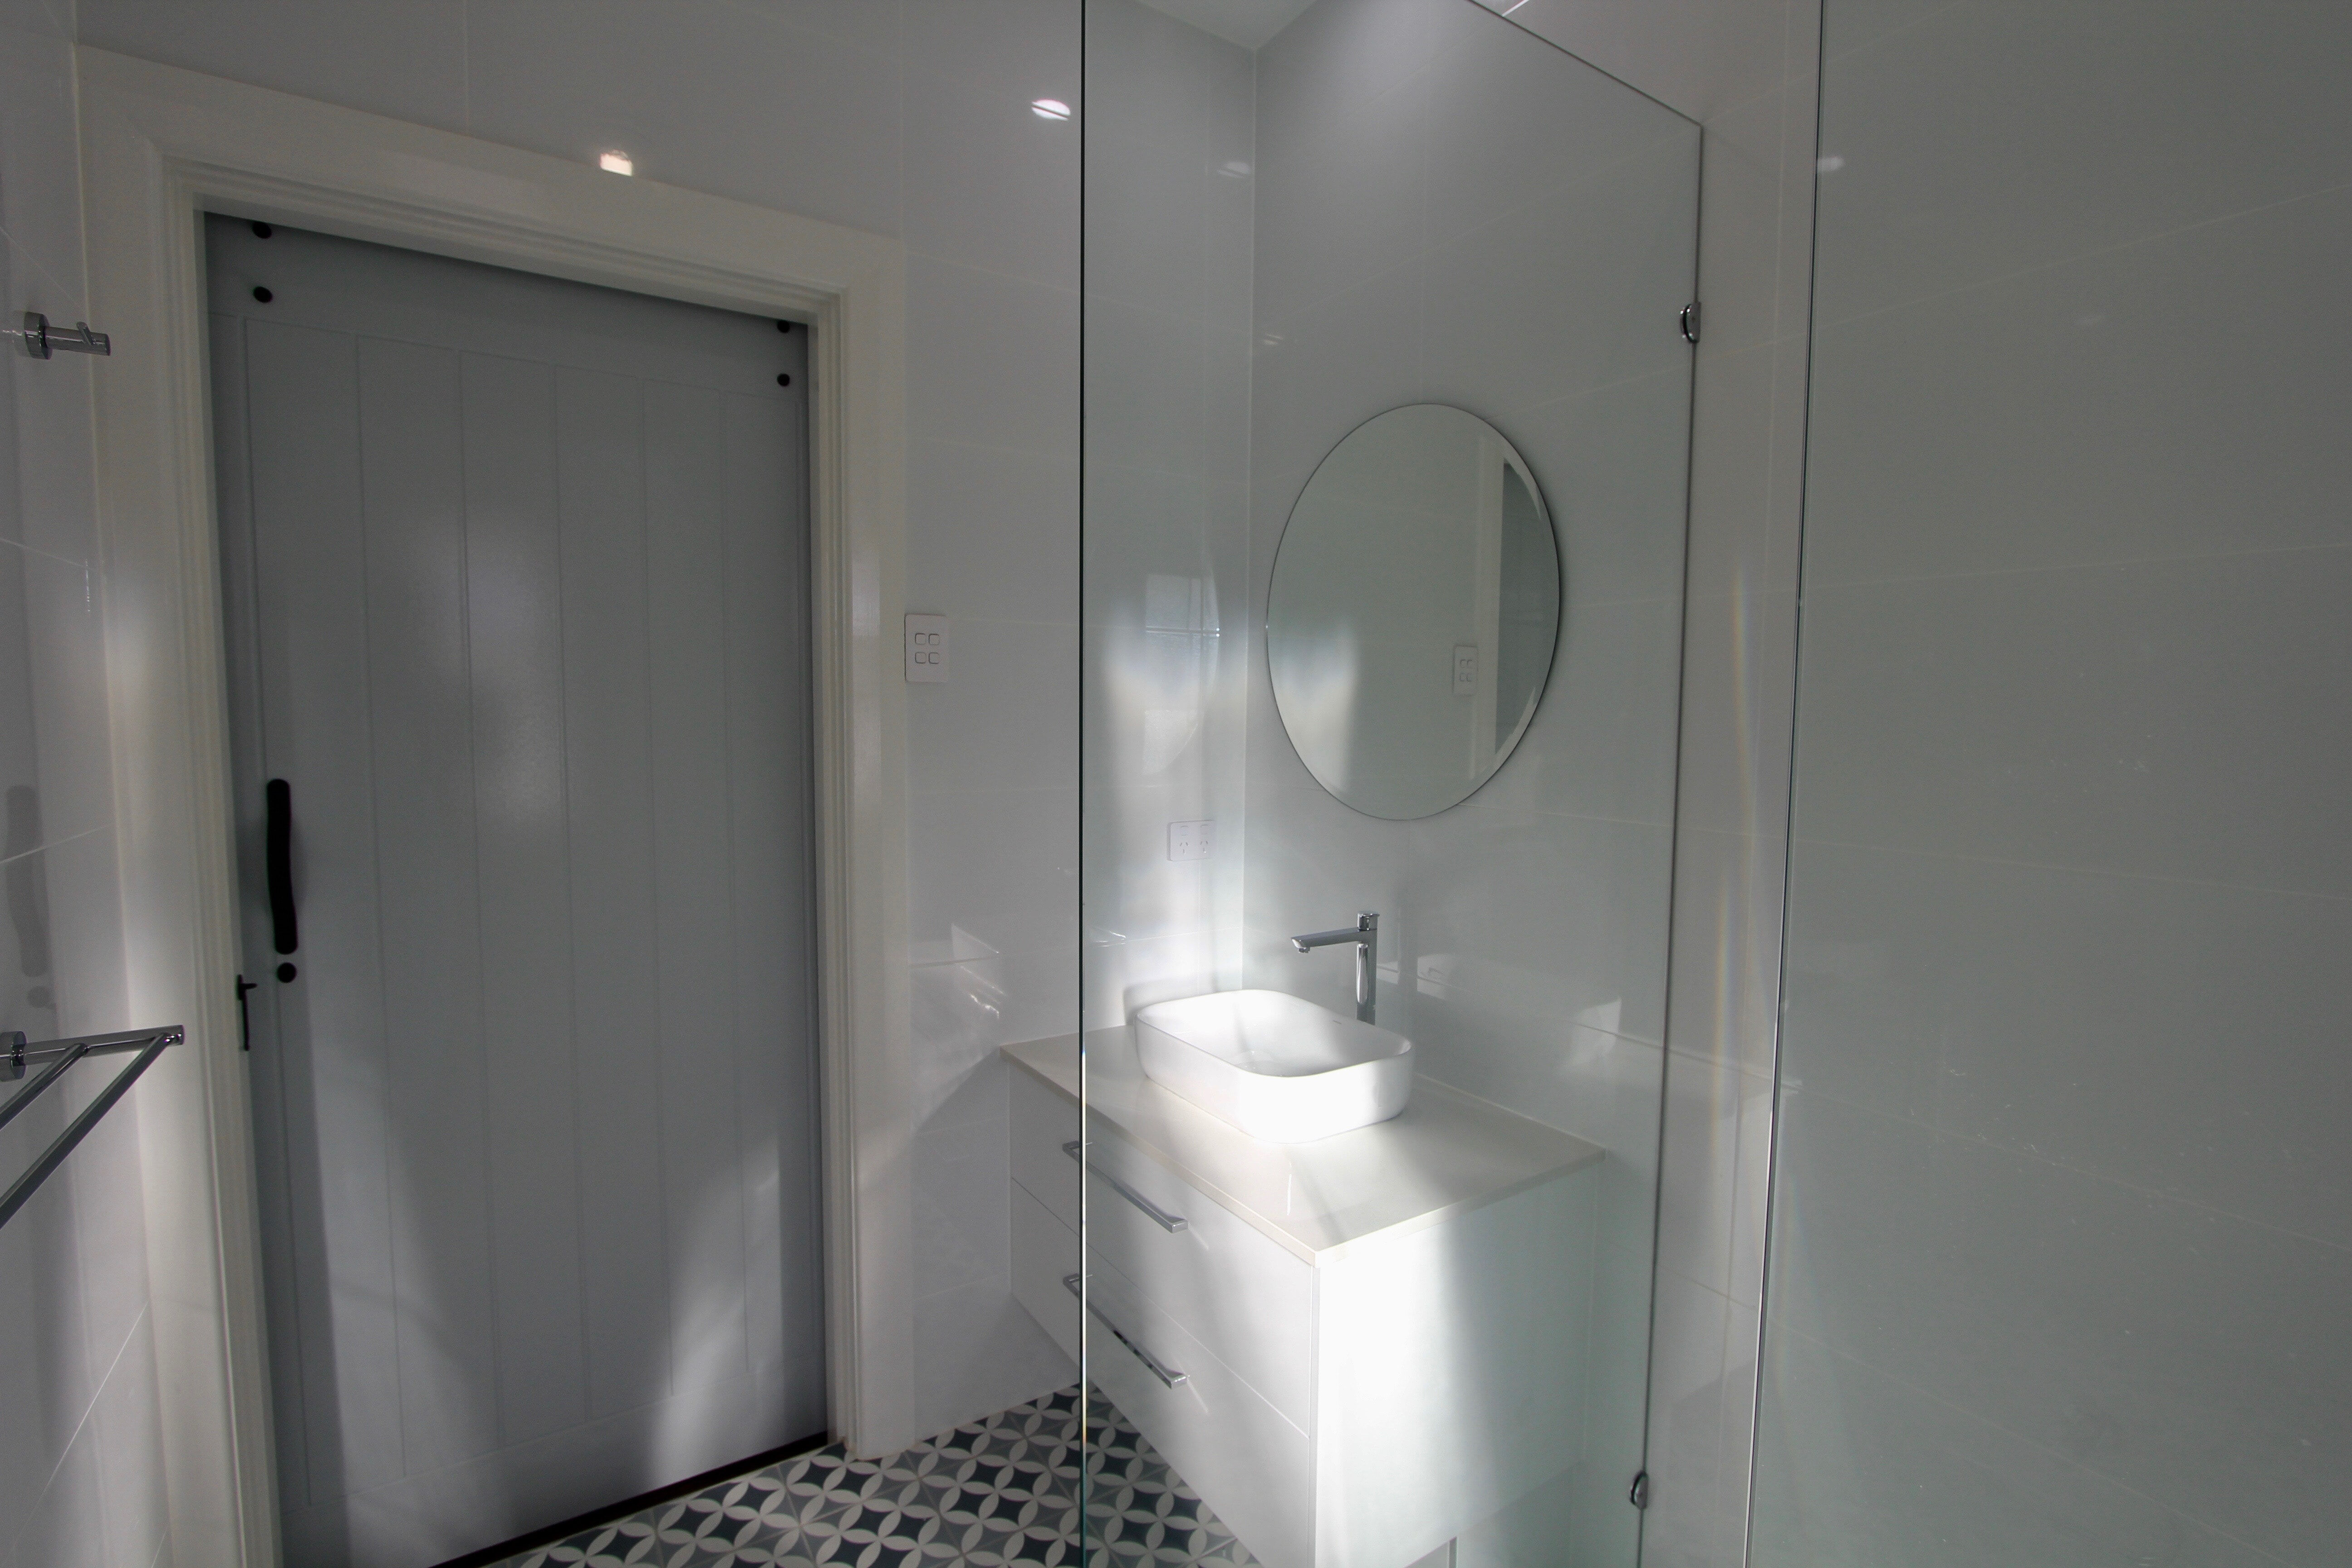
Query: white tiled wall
[
  {"x": 2060, "y": 1254},
  {"x": 1747, "y": 70},
  {"x": 1452, "y": 211},
  {"x": 80, "y": 1452},
  {"x": 1172, "y": 187},
  {"x": 903, "y": 117}
]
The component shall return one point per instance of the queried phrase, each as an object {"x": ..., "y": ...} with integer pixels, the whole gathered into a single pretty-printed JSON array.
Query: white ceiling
[{"x": 1248, "y": 23}]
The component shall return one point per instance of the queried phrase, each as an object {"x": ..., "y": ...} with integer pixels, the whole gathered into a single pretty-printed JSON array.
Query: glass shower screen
[{"x": 1361, "y": 1278}]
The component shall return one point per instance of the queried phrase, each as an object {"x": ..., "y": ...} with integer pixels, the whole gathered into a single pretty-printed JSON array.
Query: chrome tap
[{"x": 1366, "y": 935}]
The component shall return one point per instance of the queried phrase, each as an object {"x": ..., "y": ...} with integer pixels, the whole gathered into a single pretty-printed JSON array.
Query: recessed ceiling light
[
  {"x": 1050, "y": 108},
  {"x": 616, "y": 163}
]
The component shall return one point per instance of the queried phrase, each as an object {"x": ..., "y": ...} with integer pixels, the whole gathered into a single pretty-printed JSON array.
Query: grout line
[
  {"x": 997, "y": 621},
  {"x": 1071, "y": 462},
  {"x": 1918, "y": 1391},
  {"x": 2182, "y": 558},
  {"x": 2108, "y": 871},
  {"x": 1892, "y": 33},
  {"x": 1074, "y": 292},
  {"x": 1978, "y": 1140},
  {"x": 2073, "y": 258},
  {"x": 1457, "y": 238}
]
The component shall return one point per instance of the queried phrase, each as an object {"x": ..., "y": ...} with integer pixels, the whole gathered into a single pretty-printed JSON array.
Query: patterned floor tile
[{"x": 992, "y": 1494}]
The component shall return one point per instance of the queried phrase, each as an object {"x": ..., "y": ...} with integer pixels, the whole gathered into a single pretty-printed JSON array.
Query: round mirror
[{"x": 1414, "y": 607}]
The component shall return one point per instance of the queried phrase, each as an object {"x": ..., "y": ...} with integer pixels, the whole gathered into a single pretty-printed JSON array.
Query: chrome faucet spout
[{"x": 1365, "y": 934}]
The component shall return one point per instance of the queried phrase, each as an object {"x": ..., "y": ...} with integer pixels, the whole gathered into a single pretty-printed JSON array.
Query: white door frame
[{"x": 160, "y": 148}]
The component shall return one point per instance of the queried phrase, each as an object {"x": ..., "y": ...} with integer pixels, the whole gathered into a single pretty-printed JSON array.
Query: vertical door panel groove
[{"x": 518, "y": 576}]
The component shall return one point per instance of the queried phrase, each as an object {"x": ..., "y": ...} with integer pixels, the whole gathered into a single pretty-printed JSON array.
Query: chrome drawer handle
[
  {"x": 1168, "y": 1375},
  {"x": 1160, "y": 1216}
]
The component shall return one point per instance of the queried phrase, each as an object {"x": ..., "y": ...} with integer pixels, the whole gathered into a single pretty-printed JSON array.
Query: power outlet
[
  {"x": 927, "y": 648},
  {"x": 1189, "y": 840}
]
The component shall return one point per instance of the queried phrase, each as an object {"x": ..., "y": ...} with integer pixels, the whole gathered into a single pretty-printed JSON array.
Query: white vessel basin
[{"x": 1277, "y": 1066}]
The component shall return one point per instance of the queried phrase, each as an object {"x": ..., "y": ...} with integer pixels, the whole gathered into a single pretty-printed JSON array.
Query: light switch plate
[
  {"x": 1466, "y": 670},
  {"x": 1189, "y": 840},
  {"x": 927, "y": 648}
]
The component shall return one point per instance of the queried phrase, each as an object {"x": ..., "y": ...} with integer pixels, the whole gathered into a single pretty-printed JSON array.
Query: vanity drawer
[
  {"x": 1045, "y": 1253},
  {"x": 1249, "y": 1463},
  {"x": 1042, "y": 1121},
  {"x": 1231, "y": 1287}
]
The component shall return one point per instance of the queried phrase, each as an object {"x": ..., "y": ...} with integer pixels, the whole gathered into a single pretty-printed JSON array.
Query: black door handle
[{"x": 281, "y": 866}]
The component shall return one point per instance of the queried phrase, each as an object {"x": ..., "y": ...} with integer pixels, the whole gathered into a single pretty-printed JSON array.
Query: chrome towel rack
[{"x": 15, "y": 1057}]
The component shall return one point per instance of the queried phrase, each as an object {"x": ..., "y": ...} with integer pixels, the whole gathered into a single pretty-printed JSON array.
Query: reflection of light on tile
[
  {"x": 1432, "y": 974},
  {"x": 1050, "y": 108},
  {"x": 1235, "y": 170},
  {"x": 1166, "y": 732},
  {"x": 1178, "y": 604},
  {"x": 960, "y": 946},
  {"x": 616, "y": 163}
]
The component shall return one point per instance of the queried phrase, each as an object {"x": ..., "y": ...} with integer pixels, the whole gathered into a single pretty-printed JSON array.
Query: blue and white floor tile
[{"x": 999, "y": 1491}]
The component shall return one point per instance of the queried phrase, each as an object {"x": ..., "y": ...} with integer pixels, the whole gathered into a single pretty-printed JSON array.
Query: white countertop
[{"x": 1446, "y": 1153}]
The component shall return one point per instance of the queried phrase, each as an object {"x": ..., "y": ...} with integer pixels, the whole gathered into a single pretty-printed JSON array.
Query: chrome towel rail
[{"x": 16, "y": 1056}]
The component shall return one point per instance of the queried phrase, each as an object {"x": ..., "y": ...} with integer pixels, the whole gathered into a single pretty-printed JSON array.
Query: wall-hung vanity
[{"x": 1353, "y": 1348}]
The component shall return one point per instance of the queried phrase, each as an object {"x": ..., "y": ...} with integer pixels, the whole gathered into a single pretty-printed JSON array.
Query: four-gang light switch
[{"x": 927, "y": 647}]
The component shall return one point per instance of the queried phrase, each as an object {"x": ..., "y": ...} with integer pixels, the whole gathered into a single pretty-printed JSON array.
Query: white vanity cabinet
[{"x": 1353, "y": 1350}]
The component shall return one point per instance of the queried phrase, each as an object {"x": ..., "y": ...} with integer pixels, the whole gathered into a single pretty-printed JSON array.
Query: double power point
[{"x": 1189, "y": 840}]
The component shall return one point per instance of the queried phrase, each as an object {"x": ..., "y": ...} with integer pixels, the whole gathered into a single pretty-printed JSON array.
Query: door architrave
[{"x": 160, "y": 147}]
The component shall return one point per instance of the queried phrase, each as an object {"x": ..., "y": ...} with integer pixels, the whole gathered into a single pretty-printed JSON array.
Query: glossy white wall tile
[
  {"x": 82, "y": 1478},
  {"x": 1744, "y": 69},
  {"x": 2119, "y": 987},
  {"x": 1172, "y": 179},
  {"x": 698, "y": 93},
  {"x": 2101, "y": 147},
  {"x": 2056, "y": 1240},
  {"x": 407, "y": 61},
  {"x": 1454, "y": 211},
  {"x": 1702, "y": 55}
]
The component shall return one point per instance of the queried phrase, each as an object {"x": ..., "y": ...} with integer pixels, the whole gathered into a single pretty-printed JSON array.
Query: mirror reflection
[{"x": 1413, "y": 611}]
